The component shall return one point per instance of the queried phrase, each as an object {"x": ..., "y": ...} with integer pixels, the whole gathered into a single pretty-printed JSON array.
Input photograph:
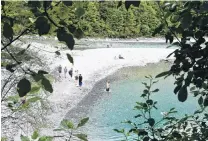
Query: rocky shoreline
[{"x": 93, "y": 64}]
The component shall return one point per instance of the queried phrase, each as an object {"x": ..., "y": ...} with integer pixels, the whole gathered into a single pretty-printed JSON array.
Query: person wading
[{"x": 107, "y": 86}]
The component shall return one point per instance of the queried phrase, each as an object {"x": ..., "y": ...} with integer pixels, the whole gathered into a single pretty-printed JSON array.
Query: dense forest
[{"x": 100, "y": 19}]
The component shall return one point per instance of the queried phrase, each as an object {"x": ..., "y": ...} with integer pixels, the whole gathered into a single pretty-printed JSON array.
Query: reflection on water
[{"x": 109, "y": 111}]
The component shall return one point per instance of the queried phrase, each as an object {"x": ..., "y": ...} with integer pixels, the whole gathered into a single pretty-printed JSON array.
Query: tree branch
[
  {"x": 8, "y": 80},
  {"x": 167, "y": 24},
  {"x": 15, "y": 38},
  {"x": 2, "y": 98},
  {"x": 47, "y": 15}
]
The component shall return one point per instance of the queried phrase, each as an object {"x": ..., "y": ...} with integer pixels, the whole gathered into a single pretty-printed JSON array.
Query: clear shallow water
[{"x": 109, "y": 111}]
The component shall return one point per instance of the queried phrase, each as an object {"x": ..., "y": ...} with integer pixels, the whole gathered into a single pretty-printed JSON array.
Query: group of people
[{"x": 78, "y": 78}]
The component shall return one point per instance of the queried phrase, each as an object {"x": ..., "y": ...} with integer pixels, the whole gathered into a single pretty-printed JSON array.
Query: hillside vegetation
[{"x": 100, "y": 19}]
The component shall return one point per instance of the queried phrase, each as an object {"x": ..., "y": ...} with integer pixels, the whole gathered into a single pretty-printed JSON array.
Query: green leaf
[
  {"x": 8, "y": 31},
  {"x": 139, "y": 115},
  {"x": 34, "y": 89},
  {"x": 156, "y": 90},
  {"x": 206, "y": 101},
  {"x": 42, "y": 25},
  {"x": 45, "y": 138},
  {"x": 24, "y": 138},
  {"x": 42, "y": 72},
  {"x": 67, "y": 124},
  {"x": 59, "y": 129},
  {"x": 119, "y": 131},
  {"x": 33, "y": 99},
  {"x": 162, "y": 74},
  {"x": 145, "y": 91},
  {"x": 186, "y": 20},
  {"x": 200, "y": 100},
  {"x": 23, "y": 87},
  {"x": 149, "y": 102},
  {"x": 151, "y": 121},
  {"x": 58, "y": 53},
  {"x": 70, "y": 58},
  {"x": 172, "y": 109},
  {"x": 177, "y": 88},
  {"x": 47, "y": 85},
  {"x": 82, "y": 122},
  {"x": 10, "y": 67},
  {"x": 35, "y": 135},
  {"x": 183, "y": 94},
  {"x": 81, "y": 136},
  {"x": 62, "y": 35},
  {"x": 37, "y": 77},
  {"x": 79, "y": 12}
]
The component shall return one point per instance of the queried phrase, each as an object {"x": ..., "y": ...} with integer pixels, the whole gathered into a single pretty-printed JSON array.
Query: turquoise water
[{"x": 109, "y": 111}]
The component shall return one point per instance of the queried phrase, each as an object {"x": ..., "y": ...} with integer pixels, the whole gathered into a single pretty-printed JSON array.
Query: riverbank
[
  {"x": 94, "y": 65},
  {"x": 138, "y": 39}
]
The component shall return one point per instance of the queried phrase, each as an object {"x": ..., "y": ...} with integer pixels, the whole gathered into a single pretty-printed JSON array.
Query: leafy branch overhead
[
  {"x": 70, "y": 128},
  {"x": 190, "y": 63},
  {"x": 70, "y": 58}
]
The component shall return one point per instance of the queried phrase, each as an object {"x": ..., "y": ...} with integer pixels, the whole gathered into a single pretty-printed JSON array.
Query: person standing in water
[
  {"x": 65, "y": 71},
  {"x": 59, "y": 70},
  {"x": 80, "y": 80},
  {"x": 107, "y": 86}
]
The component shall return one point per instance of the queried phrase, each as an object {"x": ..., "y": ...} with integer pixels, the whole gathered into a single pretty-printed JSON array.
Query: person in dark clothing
[
  {"x": 71, "y": 72},
  {"x": 80, "y": 80}
]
